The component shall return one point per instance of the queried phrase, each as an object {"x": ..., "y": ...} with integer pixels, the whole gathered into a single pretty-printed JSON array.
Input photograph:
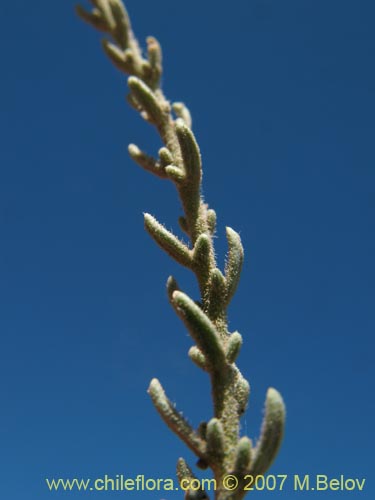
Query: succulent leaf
[
  {"x": 234, "y": 262},
  {"x": 234, "y": 346},
  {"x": 174, "y": 419},
  {"x": 271, "y": 434},
  {"x": 168, "y": 241},
  {"x": 201, "y": 329}
]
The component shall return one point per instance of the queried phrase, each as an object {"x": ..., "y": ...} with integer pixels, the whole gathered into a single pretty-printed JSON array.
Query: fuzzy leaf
[
  {"x": 175, "y": 421},
  {"x": 117, "y": 56},
  {"x": 105, "y": 8},
  {"x": 184, "y": 473},
  {"x": 145, "y": 161},
  {"x": 243, "y": 456},
  {"x": 94, "y": 18},
  {"x": 168, "y": 241},
  {"x": 147, "y": 73},
  {"x": 234, "y": 262},
  {"x": 155, "y": 59},
  {"x": 190, "y": 152},
  {"x": 122, "y": 30},
  {"x": 196, "y": 355},
  {"x": 183, "y": 470},
  {"x": 215, "y": 440},
  {"x": 271, "y": 434},
  {"x": 146, "y": 99},
  {"x": 233, "y": 346},
  {"x": 242, "y": 390},
  {"x": 211, "y": 220},
  {"x": 176, "y": 174},
  {"x": 165, "y": 156},
  {"x": 217, "y": 295},
  {"x": 200, "y": 328},
  {"x": 202, "y": 254}
]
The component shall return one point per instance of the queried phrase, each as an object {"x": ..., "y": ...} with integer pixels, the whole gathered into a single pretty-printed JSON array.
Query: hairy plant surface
[{"x": 216, "y": 443}]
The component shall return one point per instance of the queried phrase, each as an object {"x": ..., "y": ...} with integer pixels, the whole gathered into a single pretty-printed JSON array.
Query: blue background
[{"x": 283, "y": 101}]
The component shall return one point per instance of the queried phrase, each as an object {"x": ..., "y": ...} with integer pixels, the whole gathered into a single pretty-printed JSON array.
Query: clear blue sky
[{"x": 282, "y": 94}]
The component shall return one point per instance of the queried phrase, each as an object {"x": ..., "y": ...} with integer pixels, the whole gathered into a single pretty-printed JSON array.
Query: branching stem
[{"x": 220, "y": 446}]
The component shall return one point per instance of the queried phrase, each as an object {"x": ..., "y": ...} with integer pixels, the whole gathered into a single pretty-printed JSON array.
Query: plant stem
[{"x": 216, "y": 443}]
